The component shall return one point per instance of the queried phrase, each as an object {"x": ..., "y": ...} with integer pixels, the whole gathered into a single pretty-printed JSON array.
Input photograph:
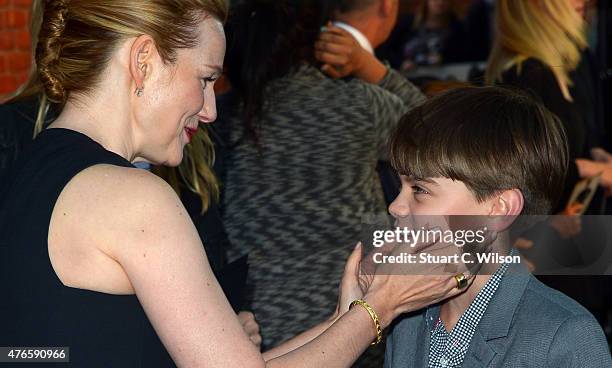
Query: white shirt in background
[{"x": 361, "y": 39}]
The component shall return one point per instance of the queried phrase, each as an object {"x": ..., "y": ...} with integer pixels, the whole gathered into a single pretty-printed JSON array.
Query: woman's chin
[{"x": 174, "y": 162}]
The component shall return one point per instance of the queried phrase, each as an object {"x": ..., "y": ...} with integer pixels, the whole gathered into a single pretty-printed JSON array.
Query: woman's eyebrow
[{"x": 218, "y": 69}]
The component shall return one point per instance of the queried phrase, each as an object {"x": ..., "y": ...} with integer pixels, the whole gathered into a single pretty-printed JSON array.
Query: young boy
[{"x": 487, "y": 151}]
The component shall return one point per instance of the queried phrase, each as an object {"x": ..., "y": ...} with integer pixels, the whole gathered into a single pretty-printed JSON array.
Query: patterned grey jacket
[{"x": 296, "y": 206}]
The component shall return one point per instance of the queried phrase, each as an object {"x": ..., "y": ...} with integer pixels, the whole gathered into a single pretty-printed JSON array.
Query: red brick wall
[{"x": 15, "y": 55}]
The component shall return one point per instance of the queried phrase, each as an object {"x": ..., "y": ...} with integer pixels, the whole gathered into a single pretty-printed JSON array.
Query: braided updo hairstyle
[
  {"x": 77, "y": 39},
  {"x": 48, "y": 50}
]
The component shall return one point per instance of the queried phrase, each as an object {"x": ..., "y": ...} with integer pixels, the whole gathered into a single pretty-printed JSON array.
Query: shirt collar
[
  {"x": 360, "y": 37},
  {"x": 483, "y": 298},
  {"x": 448, "y": 349}
]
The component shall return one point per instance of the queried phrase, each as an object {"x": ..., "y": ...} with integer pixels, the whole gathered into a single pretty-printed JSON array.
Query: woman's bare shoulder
[
  {"x": 112, "y": 204},
  {"x": 112, "y": 185},
  {"x": 121, "y": 178},
  {"x": 103, "y": 217}
]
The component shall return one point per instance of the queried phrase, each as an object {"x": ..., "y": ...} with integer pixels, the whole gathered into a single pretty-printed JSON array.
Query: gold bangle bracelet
[{"x": 374, "y": 316}]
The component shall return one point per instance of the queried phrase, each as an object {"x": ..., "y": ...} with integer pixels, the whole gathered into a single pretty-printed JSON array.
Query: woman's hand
[
  {"x": 343, "y": 56},
  {"x": 568, "y": 223},
  {"x": 400, "y": 288},
  {"x": 589, "y": 168},
  {"x": 250, "y": 326},
  {"x": 351, "y": 287}
]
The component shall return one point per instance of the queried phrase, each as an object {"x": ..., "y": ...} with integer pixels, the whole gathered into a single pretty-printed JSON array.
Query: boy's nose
[{"x": 399, "y": 210}]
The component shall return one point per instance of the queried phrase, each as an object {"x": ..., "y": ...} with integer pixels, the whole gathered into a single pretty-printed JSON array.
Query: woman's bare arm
[
  {"x": 146, "y": 229},
  {"x": 137, "y": 220}
]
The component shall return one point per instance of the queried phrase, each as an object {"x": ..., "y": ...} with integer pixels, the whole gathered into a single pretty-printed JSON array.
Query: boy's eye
[{"x": 418, "y": 190}]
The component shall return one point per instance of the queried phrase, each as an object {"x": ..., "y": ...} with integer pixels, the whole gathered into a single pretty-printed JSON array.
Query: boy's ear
[
  {"x": 507, "y": 203},
  {"x": 505, "y": 207}
]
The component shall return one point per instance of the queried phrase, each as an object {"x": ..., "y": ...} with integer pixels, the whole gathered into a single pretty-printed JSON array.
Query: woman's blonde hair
[
  {"x": 550, "y": 31},
  {"x": 75, "y": 39},
  {"x": 195, "y": 170}
]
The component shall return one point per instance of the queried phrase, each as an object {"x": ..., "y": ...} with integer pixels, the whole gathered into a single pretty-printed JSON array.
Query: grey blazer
[{"x": 526, "y": 324}]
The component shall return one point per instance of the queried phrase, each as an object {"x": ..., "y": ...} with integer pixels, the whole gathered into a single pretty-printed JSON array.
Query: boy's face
[
  {"x": 443, "y": 203},
  {"x": 436, "y": 196}
]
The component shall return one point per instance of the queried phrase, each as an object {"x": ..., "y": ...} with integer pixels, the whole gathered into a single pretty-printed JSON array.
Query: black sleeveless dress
[{"x": 36, "y": 309}]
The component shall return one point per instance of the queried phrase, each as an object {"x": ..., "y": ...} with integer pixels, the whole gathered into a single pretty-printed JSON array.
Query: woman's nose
[{"x": 208, "y": 114}]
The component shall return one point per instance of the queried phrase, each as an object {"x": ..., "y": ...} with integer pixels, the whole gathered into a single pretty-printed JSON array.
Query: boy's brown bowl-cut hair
[{"x": 490, "y": 138}]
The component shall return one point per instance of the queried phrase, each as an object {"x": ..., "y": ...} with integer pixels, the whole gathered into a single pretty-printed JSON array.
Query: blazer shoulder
[
  {"x": 574, "y": 337},
  {"x": 553, "y": 304}
]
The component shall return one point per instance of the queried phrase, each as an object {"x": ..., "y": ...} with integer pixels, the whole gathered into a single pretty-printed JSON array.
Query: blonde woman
[
  {"x": 541, "y": 46},
  {"x": 96, "y": 255},
  {"x": 27, "y": 111}
]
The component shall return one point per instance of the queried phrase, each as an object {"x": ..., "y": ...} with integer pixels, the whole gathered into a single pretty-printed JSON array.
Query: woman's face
[
  {"x": 182, "y": 96},
  {"x": 437, "y": 7},
  {"x": 579, "y": 6}
]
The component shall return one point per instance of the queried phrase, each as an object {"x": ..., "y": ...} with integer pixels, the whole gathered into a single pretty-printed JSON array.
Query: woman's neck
[{"x": 101, "y": 122}]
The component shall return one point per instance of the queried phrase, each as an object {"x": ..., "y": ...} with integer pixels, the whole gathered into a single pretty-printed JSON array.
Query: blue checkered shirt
[{"x": 447, "y": 349}]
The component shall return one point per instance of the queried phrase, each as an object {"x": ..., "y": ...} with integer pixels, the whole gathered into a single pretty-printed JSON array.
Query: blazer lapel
[
  {"x": 479, "y": 353},
  {"x": 421, "y": 344},
  {"x": 422, "y": 336},
  {"x": 494, "y": 327}
]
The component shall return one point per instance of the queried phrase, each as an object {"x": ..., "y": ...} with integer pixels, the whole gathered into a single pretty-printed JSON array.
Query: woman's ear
[{"x": 142, "y": 54}]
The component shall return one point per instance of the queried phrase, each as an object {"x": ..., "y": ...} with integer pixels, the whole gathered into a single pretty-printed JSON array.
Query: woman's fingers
[
  {"x": 250, "y": 326},
  {"x": 588, "y": 168},
  {"x": 450, "y": 288},
  {"x": 350, "y": 288},
  {"x": 256, "y": 339},
  {"x": 419, "y": 291},
  {"x": 352, "y": 264},
  {"x": 453, "y": 290}
]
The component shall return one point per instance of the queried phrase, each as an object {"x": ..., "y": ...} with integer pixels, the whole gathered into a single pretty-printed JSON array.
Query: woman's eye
[{"x": 205, "y": 81}]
